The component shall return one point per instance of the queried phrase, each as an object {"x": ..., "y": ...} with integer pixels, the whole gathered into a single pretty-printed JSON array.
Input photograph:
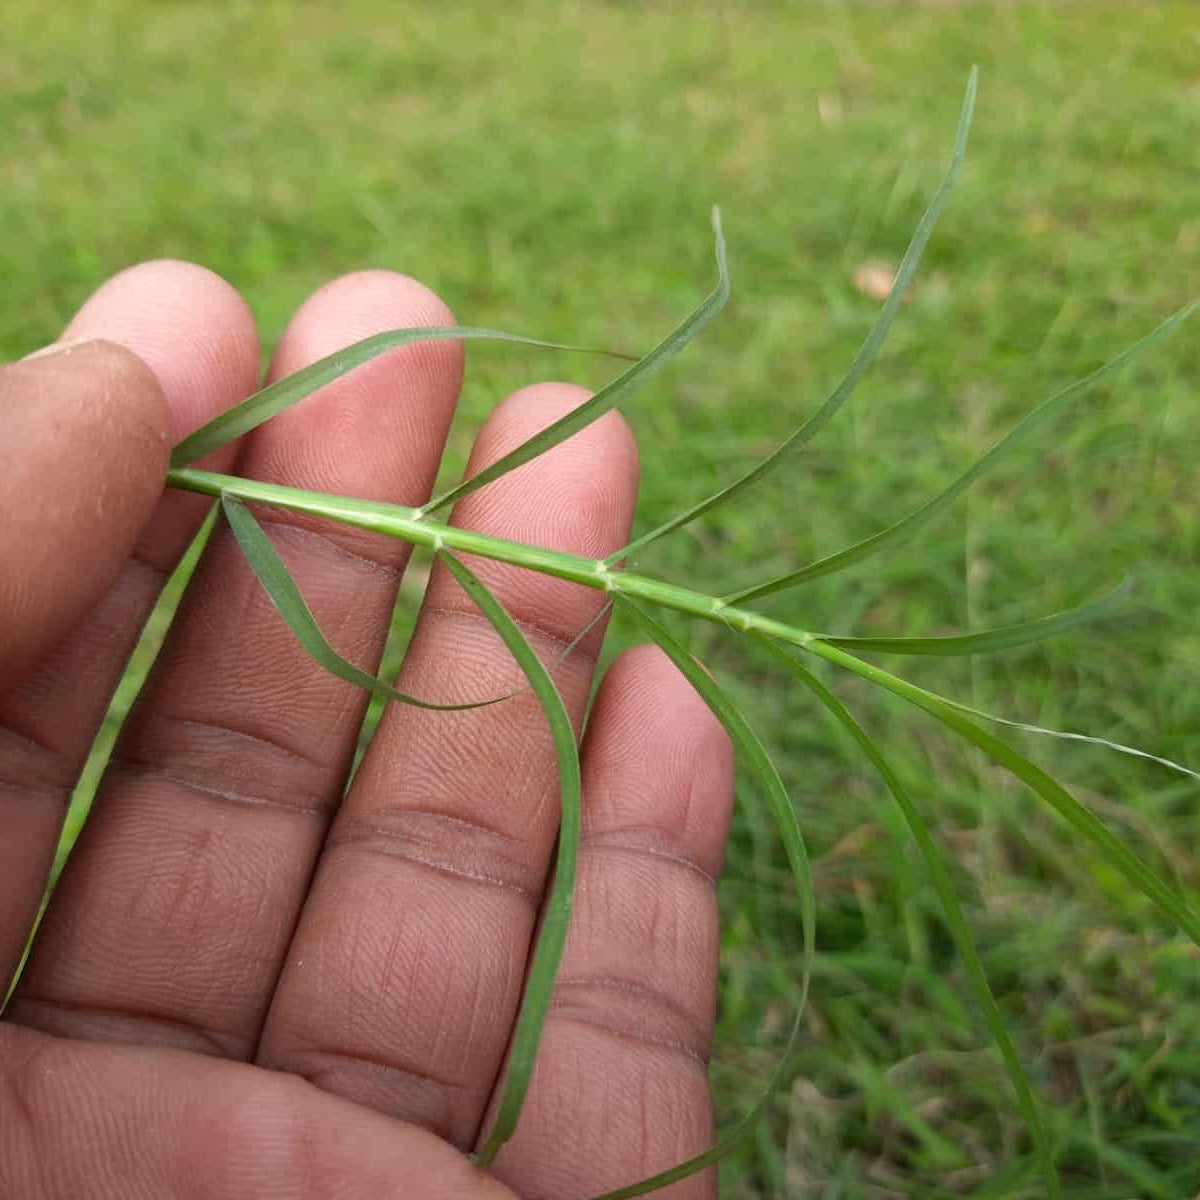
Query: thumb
[{"x": 83, "y": 455}]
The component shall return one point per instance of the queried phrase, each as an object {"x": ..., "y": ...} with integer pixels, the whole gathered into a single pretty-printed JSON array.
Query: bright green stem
[{"x": 408, "y": 525}]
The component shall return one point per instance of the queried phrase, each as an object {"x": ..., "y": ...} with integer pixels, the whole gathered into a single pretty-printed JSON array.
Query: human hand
[{"x": 244, "y": 986}]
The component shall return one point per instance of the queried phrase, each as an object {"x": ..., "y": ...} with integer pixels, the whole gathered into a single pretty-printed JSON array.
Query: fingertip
[
  {"x": 607, "y": 445},
  {"x": 105, "y": 389},
  {"x": 189, "y": 325},
  {"x": 362, "y": 303},
  {"x": 380, "y": 430}
]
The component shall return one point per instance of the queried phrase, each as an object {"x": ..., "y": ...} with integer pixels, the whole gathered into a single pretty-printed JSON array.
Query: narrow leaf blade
[
  {"x": 276, "y": 397},
  {"x": 129, "y": 686},
  {"x": 753, "y": 754},
  {"x": 608, "y": 397},
  {"x": 988, "y": 641},
  {"x": 556, "y": 913},
  {"x": 905, "y": 528},
  {"x": 955, "y": 917},
  {"x": 278, "y": 583},
  {"x": 1068, "y": 736},
  {"x": 1080, "y": 818}
]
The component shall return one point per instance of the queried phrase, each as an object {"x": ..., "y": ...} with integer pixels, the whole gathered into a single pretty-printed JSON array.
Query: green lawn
[{"x": 549, "y": 169}]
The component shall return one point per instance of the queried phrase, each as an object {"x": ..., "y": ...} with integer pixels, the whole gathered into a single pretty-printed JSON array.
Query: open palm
[{"x": 246, "y": 986}]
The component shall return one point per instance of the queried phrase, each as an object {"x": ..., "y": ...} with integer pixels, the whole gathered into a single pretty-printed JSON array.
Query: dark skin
[{"x": 245, "y": 987}]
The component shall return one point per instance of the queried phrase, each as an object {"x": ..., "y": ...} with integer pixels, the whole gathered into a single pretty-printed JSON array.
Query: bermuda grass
[{"x": 548, "y": 169}]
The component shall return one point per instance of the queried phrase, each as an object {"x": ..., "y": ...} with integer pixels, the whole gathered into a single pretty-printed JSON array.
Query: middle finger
[{"x": 401, "y": 985}]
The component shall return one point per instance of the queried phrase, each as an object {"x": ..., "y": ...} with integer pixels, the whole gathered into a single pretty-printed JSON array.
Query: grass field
[{"x": 549, "y": 169}]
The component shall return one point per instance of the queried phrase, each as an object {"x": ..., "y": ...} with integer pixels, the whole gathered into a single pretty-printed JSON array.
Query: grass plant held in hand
[{"x": 791, "y": 644}]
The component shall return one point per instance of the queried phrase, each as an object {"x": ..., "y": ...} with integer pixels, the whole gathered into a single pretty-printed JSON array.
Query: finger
[
  {"x": 195, "y": 332},
  {"x": 402, "y": 981},
  {"x": 83, "y": 455},
  {"x": 171, "y": 925},
  {"x": 620, "y": 1088},
  {"x": 197, "y": 337},
  {"x": 115, "y": 1123}
]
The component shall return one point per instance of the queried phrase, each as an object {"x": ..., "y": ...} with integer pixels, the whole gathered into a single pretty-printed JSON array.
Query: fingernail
[{"x": 63, "y": 347}]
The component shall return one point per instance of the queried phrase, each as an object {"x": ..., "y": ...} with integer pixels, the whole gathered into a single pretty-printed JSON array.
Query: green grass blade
[
  {"x": 863, "y": 360},
  {"x": 1067, "y": 735},
  {"x": 903, "y": 529},
  {"x": 129, "y": 686},
  {"x": 607, "y": 397},
  {"x": 556, "y": 914},
  {"x": 955, "y": 917},
  {"x": 988, "y": 641},
  {"x": 278, "y": 583},
  {"x": 273, "y": 399},
  {"x": 374, "y": 711},
  {"x": 753, "y": 755},
  {"x": 1081, "y": 819},
  {"x": 1146, "y": 1180}
]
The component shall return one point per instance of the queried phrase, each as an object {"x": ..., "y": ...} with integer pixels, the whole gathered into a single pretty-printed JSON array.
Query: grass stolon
[{"x": 634, "y": 591}]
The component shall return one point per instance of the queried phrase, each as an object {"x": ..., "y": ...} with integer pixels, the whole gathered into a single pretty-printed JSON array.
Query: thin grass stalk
[
  {"x": 862, "y": 362},
  {"x": 556, "y": 911},
  {"x": 129, "y": 686},
  {"x": 898, "y": 533},
  {"x": 955, "y": 917},
  {"x": 406, "y": 524},
  {"x": 409, "y": 525},
  {"x": 753, "y": 755},
  {"x": 1080, "y": 818}
]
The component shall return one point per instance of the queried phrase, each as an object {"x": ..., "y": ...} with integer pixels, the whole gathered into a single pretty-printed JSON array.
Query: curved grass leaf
[
  {"x": 278, "y": 583},
  {"x": 955, "y": 918},
  {"x": 988, "y": 641},
  {"x": 129, "y": 686},
  {"x": 556, "y": 913},
  {"x": 753, "y": 755},
  {"x": 1081, "y": 819},
  {"x": 1066, "y": 735},
  {"x": 1146, "y": 1180},
  {"x": 903, "y": 529},
  {"x": 273, "y": 399},
  {"x": 607, "y": 397},
  {"x": 863, "y": 360},
  {"x": 374, "y": 711}
]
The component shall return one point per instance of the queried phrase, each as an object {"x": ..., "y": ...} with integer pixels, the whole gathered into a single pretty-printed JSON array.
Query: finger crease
[
  {"x": 633, "y": 1011},
  {"x": 635, "y": 844},
  {"x": 328, "y": 1059},
  {"x": 421, "y": 838},
  {"x": 540, "y": 632},
  {"x": 24, "y": 754},
  {"x": 124, "y": 1025},
  {"x": 56, "y": 796},
  {"x": 307, "y": 804},
  {"x": 228, "y": 764}
]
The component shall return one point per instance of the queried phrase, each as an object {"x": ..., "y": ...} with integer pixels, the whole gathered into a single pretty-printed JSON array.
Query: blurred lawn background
[{"x": 548, "y": 168}]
